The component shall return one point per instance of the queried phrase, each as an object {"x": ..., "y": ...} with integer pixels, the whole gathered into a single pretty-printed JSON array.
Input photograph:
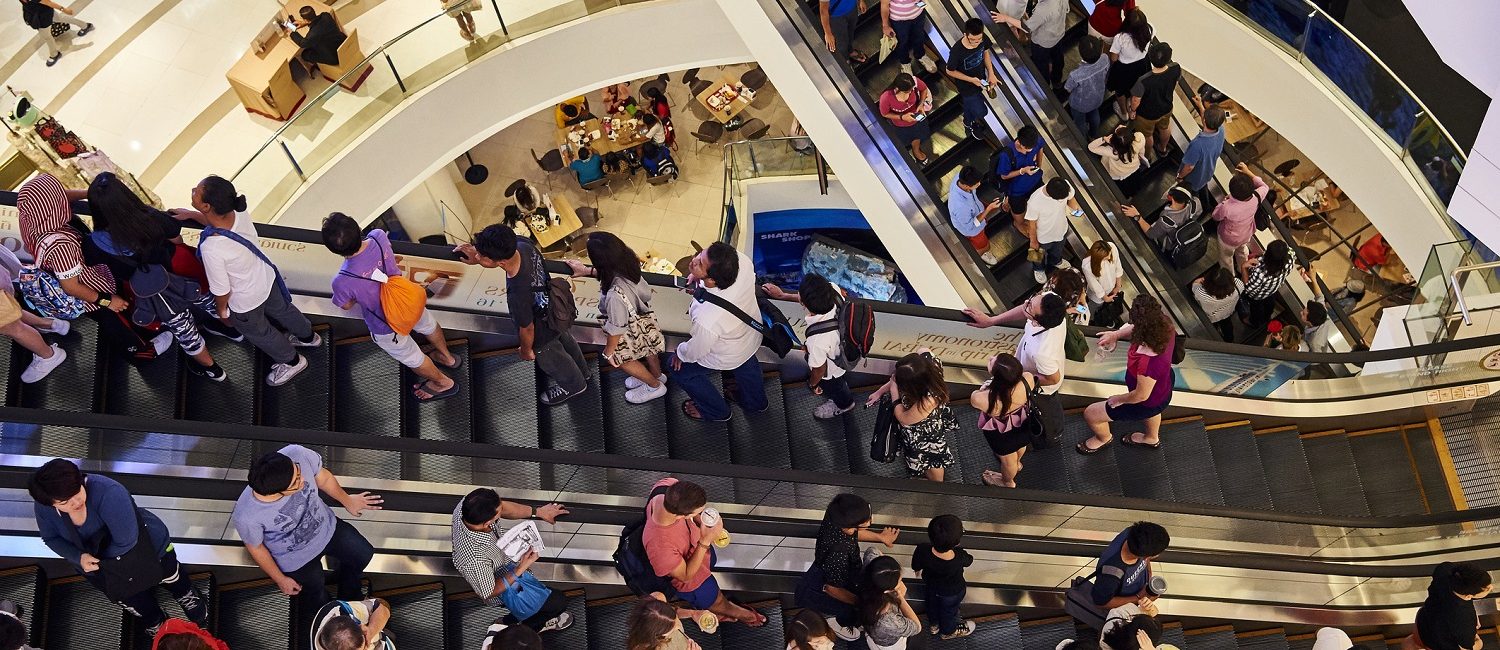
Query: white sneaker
[
  {"x": 828, "y": 410},
  {"x": 963, "y": 630},
  {"x": 59, "y": 327},
  {"x": 632, "y": 382},
  {"x": 905, "y": 67},
  {"x": 1039, "y": 276},
  {"x": 316, "y": 341},
  {"x": 927, "y": 65},
  {"x": 562, "y": 622},
  {"x": 40, "y": 367},
  {"x": 643, "y": 393},
  {"x": 162, "y": 342},
  {"x": 845, "y": 633},
  {"x": 1064, "y": 264},
  {"x": 989, "y": 258},
  {"x": 282, "y": 373}
]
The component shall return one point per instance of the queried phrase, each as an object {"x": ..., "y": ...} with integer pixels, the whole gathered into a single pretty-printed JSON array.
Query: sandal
[
  {"x": 458, "y": 362},
  {"x": 1085, "y": 449},
  {"x": 432, "y": 395},
  {"x": 995, "y": 479},
  {"x": 1130, "y": 440},
  {"x": 695, "y": 414},
  {"x": 857, "y": 57}
]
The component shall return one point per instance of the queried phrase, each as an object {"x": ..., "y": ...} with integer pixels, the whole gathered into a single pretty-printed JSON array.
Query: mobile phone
[
  {"x": 984, "y": 83},
  {"x": 921, "y": 4},
  {"x": 679, "y": 281},
  {"x": 919, "y": 117},
  {"x": 1077, "y": 213}
]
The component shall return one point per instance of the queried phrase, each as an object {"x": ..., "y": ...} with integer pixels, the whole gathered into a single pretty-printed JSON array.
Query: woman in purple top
[{"x": 1148, "y": 376}]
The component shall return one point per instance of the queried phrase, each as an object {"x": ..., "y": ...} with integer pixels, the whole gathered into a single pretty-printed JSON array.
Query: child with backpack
[
  {"x": 828, "y": 351},
  {"x": 393, "y": 307}
]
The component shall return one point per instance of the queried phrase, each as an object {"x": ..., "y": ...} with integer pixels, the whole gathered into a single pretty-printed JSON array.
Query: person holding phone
[
  {"x": 969, "y": 214},
  {"x": 906, "y": 103},
  {"x": 635, "y": 340},
  {"x": 973, "y": 72}
]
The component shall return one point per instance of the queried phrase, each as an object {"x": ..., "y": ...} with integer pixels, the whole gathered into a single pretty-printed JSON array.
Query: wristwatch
[{"x": 102, "y": 301}]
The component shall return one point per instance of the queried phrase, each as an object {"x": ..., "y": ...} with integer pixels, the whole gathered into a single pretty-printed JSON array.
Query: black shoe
[
  {"x": 53, "y": 60},
  {"x": 214, "y": 372},
  {"x": 218, "y": 328},
  {"x": 195, "y": 607},
  {"x": 86, "y": 29}
]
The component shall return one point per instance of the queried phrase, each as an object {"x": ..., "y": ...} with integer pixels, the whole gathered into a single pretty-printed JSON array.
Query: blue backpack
[{"x": 44, "y": 293}]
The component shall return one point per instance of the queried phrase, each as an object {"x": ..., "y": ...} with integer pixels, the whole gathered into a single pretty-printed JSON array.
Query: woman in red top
[
  {"x": 1108, "y": 15},
  {"x": 1148, "y": 376},
  {"x": 906, "y": 103},
  {"x": 656, "y": 102},
  {"x": 177, "y": 634}
]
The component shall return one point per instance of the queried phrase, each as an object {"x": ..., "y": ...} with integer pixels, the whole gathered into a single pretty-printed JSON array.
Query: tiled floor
[{"x": 659, "y": 221}]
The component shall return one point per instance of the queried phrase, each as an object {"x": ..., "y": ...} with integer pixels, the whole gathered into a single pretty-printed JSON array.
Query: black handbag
[
  {"x": 883, "y": 439},
  {"x": 134, "y": 571},
  {"x": 1033, "y": 425}
]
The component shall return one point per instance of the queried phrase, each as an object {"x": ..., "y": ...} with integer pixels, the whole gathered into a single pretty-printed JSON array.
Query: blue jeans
[
  {"x": 909, "y": 40},
  {"x": 1054, "y": 255},
  {"x": 352, "y": 553},
  {"x": 1087, "y": 121},
  {"x": 838, "y": 391},
  {"x": 693, "y": 379},
  {"x": 974, "y": 107},
  {"x": 942, "y": 611}
]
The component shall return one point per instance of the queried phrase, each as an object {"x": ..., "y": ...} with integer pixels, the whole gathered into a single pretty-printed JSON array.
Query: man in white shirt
[
  {"x": 720, "y": 340},
  {"x": 1040, "y": 350},
  {"x": 1047, "y": 224}
]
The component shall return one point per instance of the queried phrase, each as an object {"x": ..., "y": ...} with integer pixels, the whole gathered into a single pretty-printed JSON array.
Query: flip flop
[
  {"x": 1130, "y": 440},
  {"x": 433, "y": 395},
  {"x": 858, "y": 57},
  {"x": 458, "y": 362},
  {"x": 1083, "y": 447},
  {"x": 698, "y": 417}
]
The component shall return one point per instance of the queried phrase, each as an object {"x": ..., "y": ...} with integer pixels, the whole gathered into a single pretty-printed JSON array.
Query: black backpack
[
  {"x": 1187, "y": 244},
  {"x": 631, "y": 561},
  {"x": 855, "y": 322}
]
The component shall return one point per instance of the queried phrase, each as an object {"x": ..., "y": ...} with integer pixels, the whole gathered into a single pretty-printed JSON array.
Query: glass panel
[
  {"x": 1368, "y": 85},
  {"x": 1435, "y": 158},
  {"x": 1286, "y": 20}
]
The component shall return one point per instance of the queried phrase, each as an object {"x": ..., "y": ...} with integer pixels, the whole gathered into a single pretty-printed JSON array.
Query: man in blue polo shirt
[
  {"x": 589, "y": 166},
  {"x": 1202, "y": 154},
  {"x": 969, "y": 214},
  {"x": 1016, "y": 165}
]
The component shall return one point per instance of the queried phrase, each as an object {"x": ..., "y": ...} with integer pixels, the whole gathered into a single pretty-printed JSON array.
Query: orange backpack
[{"x": 401, "y": 300}]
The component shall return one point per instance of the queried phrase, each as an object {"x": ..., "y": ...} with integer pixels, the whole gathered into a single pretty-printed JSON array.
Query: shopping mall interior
[{"x": 1283, "y": 209}]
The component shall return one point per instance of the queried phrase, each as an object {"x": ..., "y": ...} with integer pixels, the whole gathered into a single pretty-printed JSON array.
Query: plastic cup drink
[
  {"x": 710, "y": 518},
  {"x": 708, "y": 622}
]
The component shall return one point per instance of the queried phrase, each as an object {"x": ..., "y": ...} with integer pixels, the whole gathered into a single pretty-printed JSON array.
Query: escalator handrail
[
  {"x": 436, "y": 252},
  {"x": 668, "y": 466}
]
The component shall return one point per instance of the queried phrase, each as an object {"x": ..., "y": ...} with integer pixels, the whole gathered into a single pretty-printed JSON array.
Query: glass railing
[
  {"x": 1387, "y": 105},
  {"x": 749, "y": 159},
  {"x": 328, "y": 123}
]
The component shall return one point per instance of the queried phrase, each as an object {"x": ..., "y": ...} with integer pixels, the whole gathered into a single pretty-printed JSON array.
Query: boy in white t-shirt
[
  {"x": 825, "y": 377},
  {"x": 1047, "y": 224}
]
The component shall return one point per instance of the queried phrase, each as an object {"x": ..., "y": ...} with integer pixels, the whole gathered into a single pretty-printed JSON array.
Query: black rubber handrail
[{"x": 668, "y": 466}]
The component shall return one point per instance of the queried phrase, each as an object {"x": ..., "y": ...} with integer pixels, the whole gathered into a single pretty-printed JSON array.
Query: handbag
[
  {"x": 1033, "y": 425},
  {"x": 1078, "y": 601},
  {"x": 1076, "y": 345},
  {"x": 883, "y": 439},
  {"x": 134, "y": 571},
  {"x": 1035, "y": 255},
  {"x": 525, "y": 596}
]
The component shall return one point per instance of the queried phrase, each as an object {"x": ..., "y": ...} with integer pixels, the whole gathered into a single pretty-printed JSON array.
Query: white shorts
[
  {"x": 405, "y": 348},
  {"x": 1108, "y": 40}
]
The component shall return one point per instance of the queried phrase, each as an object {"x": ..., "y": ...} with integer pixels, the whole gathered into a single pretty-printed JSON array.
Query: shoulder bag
[
  {"x": 1078, "y": 602},
  {"x": 524, "y": 596},
  {"x": 775, "y": 331},
  {"x": 134, "y": 571},
  {"x": 883, "y": 440}
]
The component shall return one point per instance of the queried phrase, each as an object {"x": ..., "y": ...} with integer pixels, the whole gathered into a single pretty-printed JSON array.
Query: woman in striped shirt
[
  {"x": 1263, "y": 276},
  {"x": 902, "y": 20},
  {"x": 1217, "y": 293}
]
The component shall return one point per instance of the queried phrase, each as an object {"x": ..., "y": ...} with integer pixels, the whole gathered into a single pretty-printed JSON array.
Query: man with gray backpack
[{"x": 839, "y": 334}]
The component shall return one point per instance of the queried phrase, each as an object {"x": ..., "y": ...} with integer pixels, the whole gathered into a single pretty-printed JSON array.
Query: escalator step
[
  {"x": 72, "y": 600},
  {"x": 577, "y": 635},
  {"x": 999, "y": 631},
  {"x": 1171, "y": 634},
  {"x": 636, "y": 429},
  {"x": 25, "y": 586},
  {"x": 1043, "y": 469},
  {"x": 859, "y": 425},
  {"x": 744, "y": 637},
  {"x": 367, "y": 390},
  {"x": 13, "y": 357},
  {"x": 689, "y": 439},
  {"x": 501, "y": 417},
  {"x": 468, "y": 620},
  {"x": 417, "y": 617},
  {"x": 137, "y": 634},
  {"x": 816, "y": 445},
  {"x": 1095, "y": 474},
  {"x": 1195, "y": 478},
  {"x": 307, "y": 401},
  {"x": 146, "y": 390},
  {"x": 577, "y": 424},
  {"x": 1216, "y": 638},
  {"x": 608, "y": 622},
  {"x": 1284, "y": 463},
  {"x": 760, "y": 439},
  {"x": 1385, "y": 471},
  {"x": 254, "y": 615},
  {"x": 1302, "y": 641},
  {"x": 231, "y": 401},
  {"x": 1237, "y": 460},
  {"x": 1143, "y": 472},
  {"x": 74, "y": 385},
  {"x": 1273, "y": 639},
  {"x": 1429, "y": 468},
  {"x": 447, "y": 419},
  {"x": 1340, "y": 492},
  {"x": 1045, "y": 634}
]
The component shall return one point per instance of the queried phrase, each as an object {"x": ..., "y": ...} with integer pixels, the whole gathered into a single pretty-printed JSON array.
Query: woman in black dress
[{"x": 1004, "y": 416}]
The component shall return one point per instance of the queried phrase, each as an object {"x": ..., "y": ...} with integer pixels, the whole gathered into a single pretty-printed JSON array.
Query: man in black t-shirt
[
  {"x": 1152, "y": 96},
  {"x": 556, "y": 353},
  {"x": 1447, "y": 620},
  {"x": 973, "y": 72}
]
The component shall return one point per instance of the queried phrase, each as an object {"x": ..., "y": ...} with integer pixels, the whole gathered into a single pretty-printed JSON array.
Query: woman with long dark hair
[
  {"x": 144, "y": 242},
  {"x": 922, "y": 414},
  {"x": 906, "y": 104},
  {"x": 1122, "y": 153},
  {"x": 1002, "y": 402},
  {"x": 655, "y": 625},
  {"x": 1128, "y": 58},
  {"x": 808, "y": 631},
  {"x": 1148, "y": 378},
  {"x": 1217, "y": 293},
  {"x": 635, "y": 341},
  {"x": 1263, "y": 276},
  {"x": 888, "y": 620}
]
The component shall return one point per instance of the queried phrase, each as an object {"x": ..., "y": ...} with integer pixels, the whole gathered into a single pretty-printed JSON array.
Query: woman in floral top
[{"x": 922, "y": 414}]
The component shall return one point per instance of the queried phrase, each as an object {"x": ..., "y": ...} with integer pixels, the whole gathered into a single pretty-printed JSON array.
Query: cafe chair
[
  {"x": 754, "y": 129},
  {"x": 551, "y": 163},
  {"x": 690, "y": 77},
  {"x": 510, "y": 190},
  {"x": 682, "y": 264},
  {"x": 660, "y": 180},
  {"x": 659, "y": 83},
  {"x": 594, "y": 187},
  {"x": 709, "y": 132},
  {"x": 754, "y": 79},
  {"x": 700, "y": 85},
  {"x": 589, "y": 217}
]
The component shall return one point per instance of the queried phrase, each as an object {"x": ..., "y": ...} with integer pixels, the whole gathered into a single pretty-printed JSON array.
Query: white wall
[
  {"x": 421, "y": 209},
  {"x": 1282, "y": 92}
]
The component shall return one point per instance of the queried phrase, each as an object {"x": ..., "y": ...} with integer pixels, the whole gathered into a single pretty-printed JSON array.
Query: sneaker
[
  {"x": 870, "y": 554},
  {"x": 1039, "y": 276},
  {"x": 989, "y": 258},
  {"x": 86, "y": 29},
  {"x": 963, "y": 630},
  {"x": 151, "y": 631},
  {"x": 282, "y": 373},
  {"x": 40, "y": 367},
  {"x": 927, "y": 65},
  {"x": 642, "y": 394},
  {"x": 562, "y": 622},
  {"x": 218, "y": 328},
  {"x": 1064, "y": 264},
  {"x": 633, "y": 383},
  {"x": 905, "y": 67},
  {"x": 932, "y": 629},
  {"x": 557, "y": 395},
  {"x": 59, "y": 327},
  {"x": 316, "y": 341},
  {"x": 845, "y": 633},
  {"x": 212, "y": 373},
  {"x": 828, "y": 410},
  {"x": 194, "y": 607},
  {"x": 161, "y": 343}
]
